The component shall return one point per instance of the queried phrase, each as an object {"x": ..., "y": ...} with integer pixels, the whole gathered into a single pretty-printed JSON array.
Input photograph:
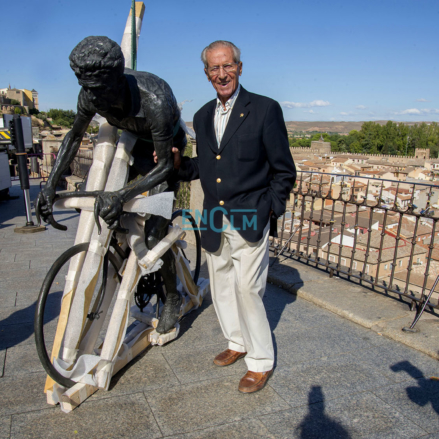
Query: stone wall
[
  {"x": 321, "y": 147},
  {"x": 423, "y": 153}
]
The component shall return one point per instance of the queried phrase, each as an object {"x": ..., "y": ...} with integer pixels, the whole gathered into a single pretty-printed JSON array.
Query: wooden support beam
[
  {"x": 60, "y": 329},
  {"x": 54, "y": 393},
  {"x": 133, "y": 351},
  {"x": 75, "y": 396}
]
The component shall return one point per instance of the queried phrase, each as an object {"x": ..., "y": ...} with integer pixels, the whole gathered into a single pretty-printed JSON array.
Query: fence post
[{"x": 16, "y": 130}]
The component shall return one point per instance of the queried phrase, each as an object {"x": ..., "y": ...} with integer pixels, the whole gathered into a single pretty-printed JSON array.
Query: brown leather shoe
[
  {"x": 254, "y": 381},
  {"x": 228, "y": 357}
]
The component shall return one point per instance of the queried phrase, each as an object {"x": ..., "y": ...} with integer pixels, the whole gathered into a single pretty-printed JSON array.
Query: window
[
  {"x": 418, "y": 260},
  {"x": 331, "y": 258},
  {"x": 400, "y": 263},
  {"x": 343, "y": 261},
  {"x": 354, "y": 266},
  {"x": 367, "y": 268},
  {"x": 385, "y": 267}
]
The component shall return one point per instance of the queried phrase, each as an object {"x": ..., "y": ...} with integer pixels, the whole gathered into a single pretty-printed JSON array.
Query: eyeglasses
[{"x": 228, "y": 68}]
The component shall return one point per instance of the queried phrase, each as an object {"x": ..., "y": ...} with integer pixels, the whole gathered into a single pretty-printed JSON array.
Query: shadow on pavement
[
  {"x": 427, "y": 391},
  {"x": 185, "y": 324},
  {"x": 10, "y": 209},
  {"x": 19, "y": 326},
  {"x": 317, "y": 424},
  {"x": 275, "y": 304}
]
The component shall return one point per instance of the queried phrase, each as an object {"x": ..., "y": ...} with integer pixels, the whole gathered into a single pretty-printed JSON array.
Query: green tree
[
  {"x": 318, "y": 135},
  {"x": 392, "y": 138},
  {"x": 355, "y": 147},
  {"x": 341, "y": 145},
  {"x": 92, "y": 130},
  {"x": 61, "y": 117}
]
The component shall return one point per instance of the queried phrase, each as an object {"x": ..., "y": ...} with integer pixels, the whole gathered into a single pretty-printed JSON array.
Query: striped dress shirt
[{"x": 222, "y": 115}]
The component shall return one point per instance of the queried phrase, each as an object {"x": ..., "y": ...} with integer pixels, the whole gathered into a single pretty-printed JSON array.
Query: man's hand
[
  {"x": 44, "y": 202},
  {"x": 109, "y": 206},
  {"x": 177, "y": 158}
]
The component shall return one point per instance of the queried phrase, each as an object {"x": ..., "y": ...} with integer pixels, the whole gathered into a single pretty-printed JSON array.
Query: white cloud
[
  {"x": 411, "y": 111},
  {"x": 430, "y": 111},
  {"x": 349, "y": 113},
  {"x": 361, "y": 107},
  {"x": 417, "y": 112},
  {"x": 317, "y": 103},
  {"x": 309, "y": 111},
  {"x": 422, "y": 100}
]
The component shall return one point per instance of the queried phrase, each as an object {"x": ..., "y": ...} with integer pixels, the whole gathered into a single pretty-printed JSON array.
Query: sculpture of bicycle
[{"x": 107, "y": 271}]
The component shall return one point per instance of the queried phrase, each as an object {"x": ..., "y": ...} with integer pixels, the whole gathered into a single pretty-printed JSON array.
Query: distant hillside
[
  {"x": 333, "y": 127},
  {"x": 329, "y": 127}
]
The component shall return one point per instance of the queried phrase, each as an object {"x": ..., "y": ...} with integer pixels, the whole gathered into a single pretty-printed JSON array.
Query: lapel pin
[{"x": 241, "y": 115}]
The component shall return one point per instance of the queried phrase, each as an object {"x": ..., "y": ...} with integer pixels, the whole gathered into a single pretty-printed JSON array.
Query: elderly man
[
  {"x": 247, "y": 172},
  {"x": 144, "y": 105}
]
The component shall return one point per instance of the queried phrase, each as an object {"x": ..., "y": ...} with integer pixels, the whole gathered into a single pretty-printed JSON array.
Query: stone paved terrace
[{"x": 333, "y": 379}]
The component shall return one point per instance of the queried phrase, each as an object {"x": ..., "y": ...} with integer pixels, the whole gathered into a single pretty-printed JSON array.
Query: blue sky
[{"x": 323, "y": 60}]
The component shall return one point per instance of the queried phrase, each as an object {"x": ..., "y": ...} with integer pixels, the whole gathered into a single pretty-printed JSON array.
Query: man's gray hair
[{"x": 215, "y": 44}]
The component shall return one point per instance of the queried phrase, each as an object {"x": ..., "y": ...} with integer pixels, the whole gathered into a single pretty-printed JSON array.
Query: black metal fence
[
  {"x": 383, "y": 233},
  {"x": 380, "y": 232},
  {"x": 82, "y": 163},
  {"x": 38, "y": 166}
]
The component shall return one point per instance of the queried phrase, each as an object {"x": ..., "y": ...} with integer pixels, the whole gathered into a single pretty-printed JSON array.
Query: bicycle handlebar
[{"x": 51, "y": 220}]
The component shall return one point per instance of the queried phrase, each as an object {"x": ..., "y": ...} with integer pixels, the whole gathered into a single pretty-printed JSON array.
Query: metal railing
[
  {"x": 82, "y": 163},
  {"x": 38, "y": 165},
  {"x": 380, "y": 232}
]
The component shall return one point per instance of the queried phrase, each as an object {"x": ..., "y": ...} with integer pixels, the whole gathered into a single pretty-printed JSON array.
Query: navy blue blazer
[{"x": 251, "y": 173}]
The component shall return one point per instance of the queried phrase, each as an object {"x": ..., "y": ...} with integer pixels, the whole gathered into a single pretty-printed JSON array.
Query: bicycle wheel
[
  {"x": 51, "y": 291},
  {"x": 193, "y": 251}
]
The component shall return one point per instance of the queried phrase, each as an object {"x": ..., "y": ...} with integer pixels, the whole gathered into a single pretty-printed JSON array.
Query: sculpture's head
[{"x": 98, "y": 63}]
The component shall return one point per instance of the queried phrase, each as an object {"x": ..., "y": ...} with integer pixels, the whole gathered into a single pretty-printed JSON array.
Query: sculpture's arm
[
  {"x": 67, "y": 152},
  {"x": 160, "y": 173},
  {"x": 68, "y": 149},
  {"x": 109, "y": 205}
]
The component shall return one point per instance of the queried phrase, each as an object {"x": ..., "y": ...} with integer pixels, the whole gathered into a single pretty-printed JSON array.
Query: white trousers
[{"x": 238, "y": 276}]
